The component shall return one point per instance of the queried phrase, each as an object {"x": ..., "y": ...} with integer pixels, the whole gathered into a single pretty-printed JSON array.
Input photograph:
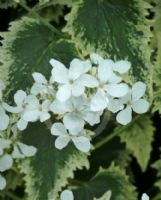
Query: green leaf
[
  {"x": 156, "y": 41},
  {"x": 116, "y": 29},
  {"x": 28, "y": 47},
  {"x": 106, "y": 196},
  {"x": 138, "y": 137},
  {"x": 113, "y": 179},
  {"x": 47, "y": 172},
  {"x": 4, "y": 4}
]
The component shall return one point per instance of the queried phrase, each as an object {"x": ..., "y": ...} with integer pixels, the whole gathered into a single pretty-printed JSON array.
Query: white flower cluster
[{"x": 77, "y": 96}]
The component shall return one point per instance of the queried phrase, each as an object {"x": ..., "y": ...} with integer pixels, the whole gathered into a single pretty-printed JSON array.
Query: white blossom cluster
[{"x": 76, "y": 97}]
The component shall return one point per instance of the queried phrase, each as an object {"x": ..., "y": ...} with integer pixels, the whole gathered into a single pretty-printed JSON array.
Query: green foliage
[
  {"x": 4, "y": 4},
  {"x": 47, "y": 172},
  {"x": 94, "y": 26},
  {"x": 113, "y": 179},
  {"x": 138, "y": 136},
  {"x": 106, "y": 196},
  {"x": 28, "y": 47}
]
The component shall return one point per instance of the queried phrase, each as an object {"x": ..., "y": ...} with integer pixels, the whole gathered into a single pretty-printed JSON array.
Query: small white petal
[
  {"x": 88, "y": 81},
  {"x": 77, "y": 89},
  {"x": 76, "y": 68},
  {"x": 98, "y": 102},
  {"x": 114, "y": 78},
  {"x": 67, "y": 195},
  {"x": 19, "y": 97},
  {"x": 124, "y": 116},
  {"x": 38, "y": 88},
  {"x": 122, "y": 66},
  {"x": 62, "y": 141},
  {"x": 73, "y": 122},
  {"x": 22, "y": 124},
  {"x": 115, "y": 105},
  {"x": 28, "y": 151},
  {"x": 31, "y": 115},
  {"x": 138, "y": 90},
  {"x": 60, "y": 108},
  {"x": 5, "y": 162},
  {"x": 4, "y": 143},
  {"x": 39, "y": 78},
  {"x": 58, "y": 129},
  {"x": 44, "y": 116},
  {"x": 16, "y": 153},
  {"x": 105, "y": 70},
  {"x": 4, "y": 119},
  {"x": 64, "y": 93},
  {"x": 82, "y": 143},
  {"x": 95, "y": 58},
  {"x": 117, "y": 90},
  {"x": 2, "y": 182},
  {"x": 140, "y": 106},
  {"x": 11, "y": 109},
  {"x": 60, "y": 73},
  {"x": 145, "y": 197},
  {"x": 32, "y": 101},
  {"x": 91, "y": 117}
]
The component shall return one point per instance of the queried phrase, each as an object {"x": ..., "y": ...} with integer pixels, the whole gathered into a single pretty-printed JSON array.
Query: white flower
[
  {"x": 2, "y": 182},
  {"x": 134, "y": 102},
  {"x": 41, "y": 85},
  {"x": 109, "y": 85},
  {"x": 76, "y": 112},
  {"x": 145, "y": 197},
  {"x": 67, "y": 195},
  {"x": 20, "y": 101},
  {"x": 21, "y": 150},
  {"x": 6, "y": 162},
  {"x": 80, "y": 141},
  {"x": 73, "y": 80},
  {"x": 35, "y": 111},
  {"x": 4, "y": 143}
]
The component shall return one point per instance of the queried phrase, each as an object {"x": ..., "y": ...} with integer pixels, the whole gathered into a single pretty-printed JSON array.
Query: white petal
[
  {"x": 31, "y": 115},
  {"x": 115, "y": 105},
  {"x": 4, "y": 120},
  {"x": 114, "y": 78},
  {"x": 138, "y": 90},
  {"x": 27, "y": 150},
  {"x": 140, "y": 106},
  {"x": 38, "y": 88},
  {"x": 105, "y": 70},
  {"x": 45, "y": 105},
  {"x": 5, "y": 162},
  {"x": 32, "y": 101},
  {"x": 77, "y": 89},
  {"x": 11, "y": 109},
  {"x": 2, "y": 182},
  {"x": 124, "y": 116},
  {"x": 59, "y": 72},
  {"x": 56, "y": 63},
  {"x": 117, "y": 90},
  {"x": 61, "y": 142},
  {"x": 44, "y": 116},
  {"x": 145, "y": 197},
  {"x": 60, "y": 108},
  {"x": 76, "y": 69},
  {"x": 64, "y": 93},
  {"x": 16, "y": 153},
  {"x": 22, "y": 124},
  {"x": 82, "y": 143},
  {"x": 88, "y": 81},
  {"x": 91, "y": 117},
  {"x": 67, "y": 195},
  {"x": 98, "y": 102},
  {"x": 122, "y": 66},
  {"x": 39, "y": 78},
  {"x": 58, "y": 129},
  {"x": 95, "y": 58},
  {"x": 73, "y": 122},
  {"x": 4, "y": 143},
  {"x": 19, "y": 97}
]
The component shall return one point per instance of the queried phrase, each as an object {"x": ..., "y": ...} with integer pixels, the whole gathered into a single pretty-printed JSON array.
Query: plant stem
[
  {"x": 52, "y": 28},
  {"x": 112, "y": 135}
]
